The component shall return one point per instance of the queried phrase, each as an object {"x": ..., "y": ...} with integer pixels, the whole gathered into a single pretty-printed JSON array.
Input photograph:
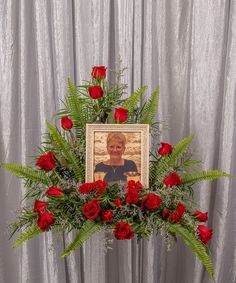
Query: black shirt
[{"x": 116, "y": 172}]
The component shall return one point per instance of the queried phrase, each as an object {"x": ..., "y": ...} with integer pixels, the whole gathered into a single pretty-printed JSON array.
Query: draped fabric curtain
[{"x": 187, "y": 47}]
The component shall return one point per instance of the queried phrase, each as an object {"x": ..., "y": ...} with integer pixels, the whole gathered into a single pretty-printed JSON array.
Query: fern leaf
[
  {"x": 179, "y": 150},
  {"x": 131, "y": 102},
  {"x": 199, "y": 176},
  {"x": 195, "y": 245},
  {"x": 71, "y": 88},
  {"x": 87, "y": 230},
  {"x": 150, "y": 108},
  {"x": 158, "y": 170},
  {"x": 25, "y": 172},
  {"x": 64, "y": 147},
  {"x": 27, "y": 235}
]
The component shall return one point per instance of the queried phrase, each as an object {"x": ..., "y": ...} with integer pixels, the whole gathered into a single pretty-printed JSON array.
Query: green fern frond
[
  {"x": 150, "y": 108},
  {"x": 199, "y": 176},
  {"x": 195, "y": 245},
  {"x": 76, "y": 107},
  {"x": 37, "y": 176},
  {"x": 158, "y": 170},
  {"x": 71, "y": 88},
  {"x": 131, "y": 102},
  {"x": 27, "y": 235},
  {"x": 87, "y": 230},
  {"x": 64, "y": 147},
  {"x": 179, "y": 150}
]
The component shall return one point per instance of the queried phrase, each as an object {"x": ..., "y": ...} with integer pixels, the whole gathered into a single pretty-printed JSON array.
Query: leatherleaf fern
[
  {"x": 198, "y": 176},
  {"x": 195, "y": 245},
  {"x": 86, "y": 231},
  {"x": 61, "y": 144},
  {"x": 36, "y": 176}
]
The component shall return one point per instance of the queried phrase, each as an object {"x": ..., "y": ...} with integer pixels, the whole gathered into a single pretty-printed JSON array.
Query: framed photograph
[{"x": 117, "y": 153}]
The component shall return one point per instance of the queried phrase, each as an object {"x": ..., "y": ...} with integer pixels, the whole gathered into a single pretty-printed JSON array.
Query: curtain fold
[{"x": 188, "y": 48}]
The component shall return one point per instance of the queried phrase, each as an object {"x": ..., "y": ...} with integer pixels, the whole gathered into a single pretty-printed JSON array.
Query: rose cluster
[{"x": 95, "y": 209}]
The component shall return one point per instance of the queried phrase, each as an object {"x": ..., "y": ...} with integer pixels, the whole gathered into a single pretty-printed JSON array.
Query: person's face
[{"x": 115, "y": 149}]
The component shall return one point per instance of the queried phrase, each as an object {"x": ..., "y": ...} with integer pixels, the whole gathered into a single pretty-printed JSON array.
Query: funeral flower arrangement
[{"x": 58, "y": 198}]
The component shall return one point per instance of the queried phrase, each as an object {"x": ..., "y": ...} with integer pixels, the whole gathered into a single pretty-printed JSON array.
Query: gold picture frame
[{"x": 135, "y": 155}]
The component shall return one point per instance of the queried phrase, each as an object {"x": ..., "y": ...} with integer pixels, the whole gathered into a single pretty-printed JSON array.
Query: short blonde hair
[{"x": 117, "y": 136}]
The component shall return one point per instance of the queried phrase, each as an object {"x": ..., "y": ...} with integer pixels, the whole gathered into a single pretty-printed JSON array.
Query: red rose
[
  {"x": 101, "y": 187},
  {"x": 117, "y": 202},
  {"x": 91, "y": 209},
  {"x": 106, "y": 216},
  {"x": 45, "y": 220},
  {"x": 172, "y": 180},
  {"x": 66, "y": 123},
  {"x": 165, "y": 213},
  {"x": 123, "y": 231},
  {"x": 99, "y": 72},
  {"x": 95, "y": 91},
  {"x": 204, "y": 233},
  {"x": 136, "y": 185},
  {"x": 165, "y": 149},
  {"x": 87, "y": 188},
  {"x": 132, "y": 196},
  {"x": 150, "y": 202},
  {"x": 47, "y": 161},
  {"x": 200, "y": 216},
  {"x": 178, "y": 214},
  {"x": 175, "y": 217},
  {"x": 121, "y": 115},
  {"x": 40, "y": 206},
  {"x": 55, "y": 192},
  {"x": 131, "y": 184},
  {"x": 180, "y": 209}
]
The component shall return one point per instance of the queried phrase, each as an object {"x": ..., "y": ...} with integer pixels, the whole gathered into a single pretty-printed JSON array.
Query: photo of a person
[{"x": 116, "y": 168}]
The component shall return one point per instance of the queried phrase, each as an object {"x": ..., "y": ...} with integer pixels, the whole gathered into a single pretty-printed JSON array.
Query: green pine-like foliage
[
  {"x": 87, "y": 230},
  {"x": 195, "y": 245},
  {"x": 36, "y": 176}
]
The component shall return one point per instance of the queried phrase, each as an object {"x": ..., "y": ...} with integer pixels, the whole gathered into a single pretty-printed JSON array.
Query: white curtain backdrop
[{"x": 187, "y": 47}]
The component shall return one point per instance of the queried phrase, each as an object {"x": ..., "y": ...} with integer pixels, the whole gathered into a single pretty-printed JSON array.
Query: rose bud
[
  {"x": 200, "y": 216},
  {"x": 123, "y": 231},
  {"x": 172, "y": 180},
  {"x": 91, "y": 209},
  {"x": 40, "y": 206},
  {"x": 46, "y": 161},
  {"x": 204, "y": 233},
  {"x": 55, "y": 192},
  {"x": 121, "y": 115},
  {"x": 45, "y": 220},
  {"x": 106, "y": 216},
  {"x": 95, "y": 91},
  {"x": 99, "y": 72},
  {"x": 66, "y": 123},
  {"x": 165, "y": 149}
]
